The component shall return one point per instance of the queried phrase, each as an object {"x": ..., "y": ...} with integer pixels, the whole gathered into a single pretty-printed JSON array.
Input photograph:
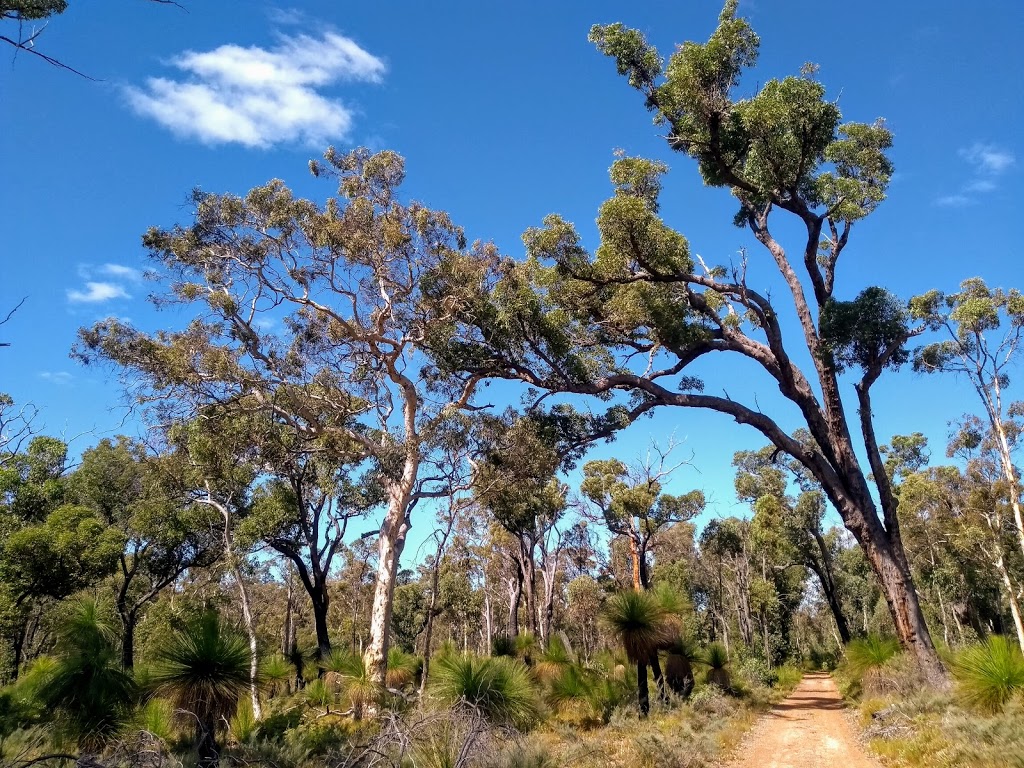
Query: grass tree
[
  {"x": 639, "y": 621},
  {"x": 204, "y": 671},
  {"x": 87, "y": 688},
  {"x": 498, "y": 688}
]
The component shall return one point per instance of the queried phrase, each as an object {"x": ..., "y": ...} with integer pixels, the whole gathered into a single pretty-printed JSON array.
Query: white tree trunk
[{"x": 389, "y": 552}]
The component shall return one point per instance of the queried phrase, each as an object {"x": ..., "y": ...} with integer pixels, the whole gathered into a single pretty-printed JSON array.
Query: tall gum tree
[
  {"x": 984, "y": 329},
  {"x": 343, "y": 282},
  {"x": 638, "y": 312}
]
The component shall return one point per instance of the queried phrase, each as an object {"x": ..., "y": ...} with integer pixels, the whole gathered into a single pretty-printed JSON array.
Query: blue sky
[{"x": 505, "y": 113}]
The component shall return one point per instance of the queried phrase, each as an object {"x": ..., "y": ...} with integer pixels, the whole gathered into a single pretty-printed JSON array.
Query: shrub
[
  {"x": 572, "y": 693},
  {"x": 989, "y": 673},
  {"x": 403, "y": 668},
  {"x": 503, "y": 645},
  {"x": 787, "y": 677},
  {"x": 717, "y": 659},
  {"x": 871, "y": 652},
  {"x": 551, "y": 663},
  {"x": 204, "y": 671},
  {"x": 499, "y": 688},
  {"x": 755, "y": 671},
  {"x": 87, "y": 686}
]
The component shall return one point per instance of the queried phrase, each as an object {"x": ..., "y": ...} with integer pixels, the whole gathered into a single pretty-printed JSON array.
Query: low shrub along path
[{"x": 807, "y": 730}]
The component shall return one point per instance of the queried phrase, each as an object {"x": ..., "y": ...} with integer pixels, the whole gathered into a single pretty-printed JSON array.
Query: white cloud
[
  {"x": 259, "y": 97},
  {"x": 122, "y": 272},
  {"x": 988, "y": 158},
  {"x": 96, "y": 292},
  {"x": 988, "y": 162},
  {"x": 287, "y": 16},
  {"x": 56, "y": 377}
]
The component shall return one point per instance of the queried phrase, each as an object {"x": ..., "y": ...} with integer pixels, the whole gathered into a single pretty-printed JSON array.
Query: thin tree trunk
[
  {"x": 516, "y": 596},
  {"x": 429, "y": 631},
  {"x": 250, "y": 630},
  {"x": 243, "y": 593}
]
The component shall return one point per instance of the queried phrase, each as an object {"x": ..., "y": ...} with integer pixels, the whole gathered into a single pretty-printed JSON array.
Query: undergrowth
[{"x": 978, "y": 722}]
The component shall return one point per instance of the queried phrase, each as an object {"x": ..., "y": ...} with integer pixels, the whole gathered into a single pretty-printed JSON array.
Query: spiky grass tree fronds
[
  {"x": 503, "y": 645},
  {"x": 717, "y": 659},
  {"x": 989, "y": 674},
  {"x": 403, "y": 668},
  {"x": 276, "y": 672},
  {"x": 871, "y": 652},
  {"x": 642, "y": 626},
  {"x": 572, "y": 694},
  {"x": 499, "y": 688},
  {"x": 527, "y": 647},
  {"x": 638, "y": 621},
  {"x": 157, "y": 717},
  {"x": 204, "y": 672},
  {"x": 553, "y": 661},
  {"x": 346, "y": 674},
  {"x": 674, "y": 607},
  {"x": 88, "y": 689},
  {"x": 715, "y": 656}
]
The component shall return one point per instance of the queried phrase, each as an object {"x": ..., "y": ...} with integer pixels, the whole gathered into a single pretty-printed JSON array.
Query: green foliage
[
  {"x": 87, "y": 688},
  {"x": 715, "y": 656},
  {"x": 499, "y": 688},
  {"x": 503, "y": 645},
  {"x": 203, "y": 670},
  {"x": 572, "y": 692},
  {"x": 867, "y": 333},
  {"x": 403, "y": 668},
  {"x": 71, "y": 549},
  {"x": 991, "y": 673},
  {"x": 866, "y": 653},
  {"x": 553, "y": 660},
  {"x": 639, "y": 622},
  {"x": 29, "y": 10}
]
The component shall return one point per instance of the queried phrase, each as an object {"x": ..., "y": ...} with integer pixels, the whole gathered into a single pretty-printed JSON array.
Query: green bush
[
  {"x": 500, "y": 688},
  {"x": 990, "y": 673},
  {"x": 871, "y": 652}
]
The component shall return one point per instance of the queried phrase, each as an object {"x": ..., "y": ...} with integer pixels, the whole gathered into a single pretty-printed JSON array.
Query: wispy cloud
[
  {"x": 103, "y": 283},
  {"x": 56, "y": 377},
  {"x": 96, "y": 292},
  {"x": 988, "y": 158},
  {"x": 119, "y": 271},
  {"x": 287, "y": 16},
  {"x": 259, "y": 97},
  {"x": 988, "y": 162}
]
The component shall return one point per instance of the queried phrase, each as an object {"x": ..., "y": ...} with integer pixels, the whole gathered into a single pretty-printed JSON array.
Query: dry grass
[
  {"x": 910, "y": 726},
  {"x": 681, "y": 735}
]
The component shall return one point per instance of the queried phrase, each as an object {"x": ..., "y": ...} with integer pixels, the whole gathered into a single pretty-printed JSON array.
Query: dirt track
[{"x": 807, "y": 730}]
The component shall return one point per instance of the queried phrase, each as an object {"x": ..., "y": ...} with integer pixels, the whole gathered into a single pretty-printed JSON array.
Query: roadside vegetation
[{"x": 339, "y": 546}]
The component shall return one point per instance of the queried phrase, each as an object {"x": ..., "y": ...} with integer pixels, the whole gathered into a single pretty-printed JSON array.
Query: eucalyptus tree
[
  {"x": 313, "y": 314},
  {"x": 50, "y": 547},
  {"x": 303, "y": 510},
  {"x": 164, "y": 536},
  {"x": 986, "y": 499},
  {"x": 515, "y": 481},
  {"x": 632, "y": 505},
  {"x": 792, "y": 527},
  {"x": 984, "y": 329},
  {"x": 637, "y": 314}
]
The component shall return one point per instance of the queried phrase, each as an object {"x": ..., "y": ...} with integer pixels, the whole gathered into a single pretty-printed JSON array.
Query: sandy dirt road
[{"x": 807, "y": 730}]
